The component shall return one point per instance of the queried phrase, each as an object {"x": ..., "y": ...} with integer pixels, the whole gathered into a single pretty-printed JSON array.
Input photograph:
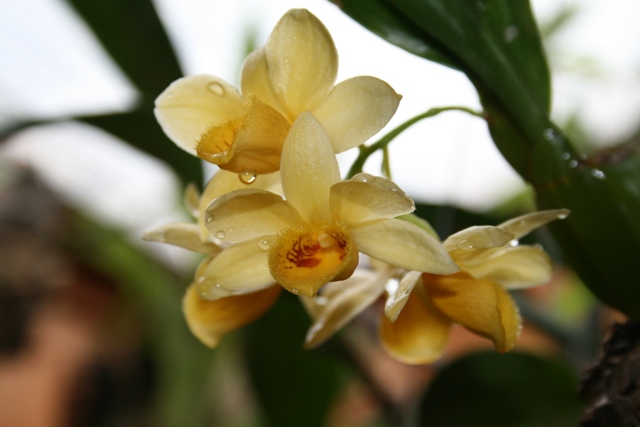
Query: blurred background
[{"x": 91, "y": 332}]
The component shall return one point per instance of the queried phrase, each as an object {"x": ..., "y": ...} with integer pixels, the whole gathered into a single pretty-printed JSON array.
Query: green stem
[{"x": 382, "y": 143}]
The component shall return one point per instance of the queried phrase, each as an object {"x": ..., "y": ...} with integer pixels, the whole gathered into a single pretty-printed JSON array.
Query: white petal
[
  {"x": 477, "y": 237},
  {"x": 247, "y": 214},
  {"x": 366, "y": 198},
  {"x": 191, "y": 105},
  {"x": 524, "y": 224},
  {"x": 302, "y": 61},
  {"x": 185, "y": 235},
  {"x": 238, "y": 269},
  {"x": 398, "y": 297},
  {"x": 355, "y": 110},
  {"x": 308, "y": 169},
  {"x": 342, "y": 302},
  {"x": 404, "y": 245}
]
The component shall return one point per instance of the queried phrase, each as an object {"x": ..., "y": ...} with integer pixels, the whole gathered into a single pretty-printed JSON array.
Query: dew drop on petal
[
  {"x": 263, "y": 244},
  {"x": 209, "y": 219},
  {"x": 218, "y": 285},
  {"x": 216, "y": 88},
  {"x": 247, "y": 177},
  {"x": 201, "y": 280},
  {"x": 295, "y": 291},
  {"x": 563, "y": 215},
  {"x": 465, "y": 244},
  {"x": 514, "y": 243},
  {"x": 220, "y": 234}
]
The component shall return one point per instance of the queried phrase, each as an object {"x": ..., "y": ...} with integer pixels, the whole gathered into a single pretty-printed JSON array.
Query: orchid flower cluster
[{"x": 277, "y": 215}]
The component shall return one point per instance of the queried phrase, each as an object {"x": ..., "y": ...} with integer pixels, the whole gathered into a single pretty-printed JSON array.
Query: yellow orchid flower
[
  {"x": 210, "y": 320},
  {"x": 313, "y": 235},
  {"x": 420, "y": 308},
  {"x": 294, "y": 72}
]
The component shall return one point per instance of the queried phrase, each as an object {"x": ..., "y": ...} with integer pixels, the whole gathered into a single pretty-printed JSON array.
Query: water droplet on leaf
[{"x": 220, "y": 234}]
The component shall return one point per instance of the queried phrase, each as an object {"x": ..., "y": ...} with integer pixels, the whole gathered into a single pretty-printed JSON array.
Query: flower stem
[{"x": 382, "y": 143}]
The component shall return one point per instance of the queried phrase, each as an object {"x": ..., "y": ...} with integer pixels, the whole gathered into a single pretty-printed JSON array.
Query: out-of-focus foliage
[
  {"x": 508, "y": 390},
  {"x": 496, "y": 43}
]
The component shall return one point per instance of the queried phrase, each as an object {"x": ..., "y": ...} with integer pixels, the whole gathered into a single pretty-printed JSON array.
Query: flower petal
[
  {"x": 481, "y": 306},
  {"x": 249, "y": 213},
  {"x": 250, "y": 144},
  {"x": 185, "y": 235},
  {"x": 524, "y": 224},
  {"x": 308, "y": 169},
  {"x": 238, "y": 269},
  {"x": 476, "y": 237},
  {"x": 366, "y": 198},
  {"x": 512, "y": 267},
  {"x": 355, "y": 110},
  {"x": 255, "y": 79},
  {"x": 419, "y": 334},
  {"x": 191, "y": 199},
  {"x": 302, "y": 61},
  {"x": 397, "y": 298},
  {"x": 191, "y": 105},
  {"x": 341, "y": 302},
  {"x": 404, "y": 245},
  {"x": 210, "y": 320},
  {"x": 303, "y": 259}
]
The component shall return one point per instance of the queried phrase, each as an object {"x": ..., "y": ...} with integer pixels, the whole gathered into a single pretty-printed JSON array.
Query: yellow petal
[
  {"x": 419, "y": 334},
  {"x": 240, "y": 268},
  {"x": 302, "y": 61},
  {"x": 513, "y": 267},
  {"x": 398, "y": 296},
  {"x": 524, "y": 224},
  {"x": 309, "y": 169},
  {"x": 255, "y": 79},
  {"x": 481, "y": 306},
  {"x": 191, "y": 105},
  {"x": 366, "y": 198},
  {"x": 191, "y": 199},
  {"x": 478, "y": 237},
  {"x": 247, "y": 214},
  {"x": 250, "y": 143},
  {"x": 224, "y": 182},
  {"x": 303, "y": 259},
  {"x": 345, "y": 300},
  {"x": 185, "y": 235},
  {"x": 355, "y": 110},
  {"x": 210, "y": 320},
  {"x": 404, "y": 245}
]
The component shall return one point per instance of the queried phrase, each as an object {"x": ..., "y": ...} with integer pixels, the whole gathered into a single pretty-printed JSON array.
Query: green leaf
[
  {"x": 496, "y": 43},
  {"x": 295, "y": 386},
  {"x": 502, "y": 390}
]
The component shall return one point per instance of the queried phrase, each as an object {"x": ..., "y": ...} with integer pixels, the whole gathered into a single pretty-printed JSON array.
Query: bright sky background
[{"x": 52, "y": 66}]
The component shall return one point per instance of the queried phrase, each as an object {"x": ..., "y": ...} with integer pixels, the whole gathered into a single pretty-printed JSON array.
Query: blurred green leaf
[
  {"x": 496, "y": 43},
  {"x": 133, "y": 35},
  {"x": 183, "y": 363},
  {"x": 502, "y": 390},
  {"x": 295, "y": 386}
]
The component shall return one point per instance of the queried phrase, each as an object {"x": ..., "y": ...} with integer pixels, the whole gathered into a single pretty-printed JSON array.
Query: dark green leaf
[
  {"x": 295, "y": 386},
  {"x": 502, "y": 390},
  {"x": 496, "y": 43}
]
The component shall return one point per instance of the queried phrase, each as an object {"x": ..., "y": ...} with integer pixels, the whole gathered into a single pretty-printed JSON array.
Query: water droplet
[
  {"x": 566, "y": 156},
  {"x": 209, "y": 219},
  {"x": 465, "y": 244},
  {"x": 597, "y": 173},
  {"x": 201, "y": 280},
  {"x": 295, "y": 291},
  {"x": 549, "y": 134},
  {"x": 220, "y": 234},
  {"x": 216, "y": 88},
  {"x": 573, "y": 163},
  {"x": 514, "y": 243},
  {"x": 562, "y": 215},
  {"x": 510, "y": 33},
  {"x": 263, "y": 244},
  {"x": 218, "y": 285},
  {"x": 247, "y": 177}
]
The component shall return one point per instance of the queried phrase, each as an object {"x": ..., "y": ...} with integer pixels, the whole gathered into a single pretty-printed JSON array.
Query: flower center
[
  {"x": 216, "y": 144},
  {"x": 303, "y": 259}
]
